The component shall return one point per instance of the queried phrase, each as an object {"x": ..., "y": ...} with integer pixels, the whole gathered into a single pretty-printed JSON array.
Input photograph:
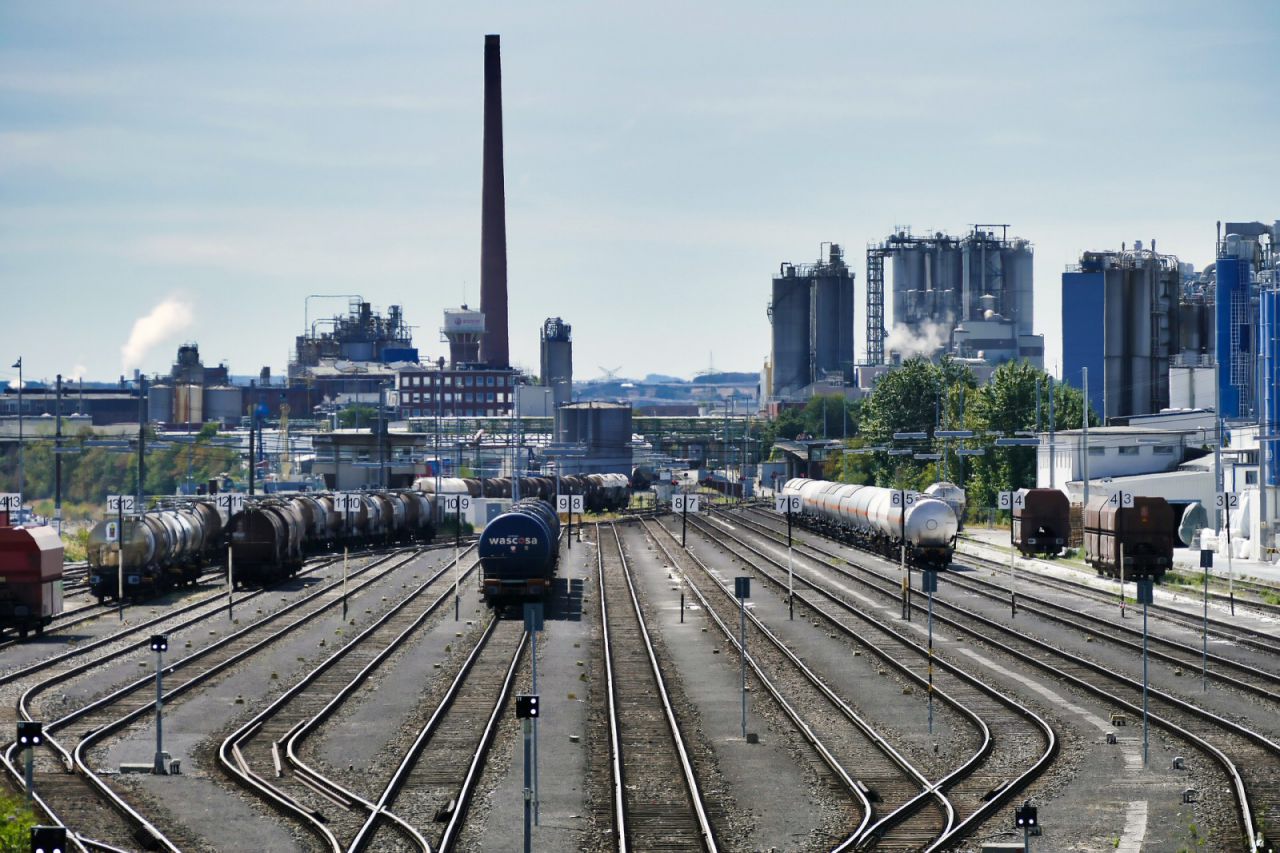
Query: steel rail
[
  {"x": 1229, "y": 767},
  {"x": 696, "y": 798},
  {"x": 73, "y": 758},
  {"x": 407, "y": 764},
  {"x": 797, "y": 720},
  {"x": 1046, "y": 730},
  {"x": 928, "y": 789},
  {"x": 230, "y": 757}
]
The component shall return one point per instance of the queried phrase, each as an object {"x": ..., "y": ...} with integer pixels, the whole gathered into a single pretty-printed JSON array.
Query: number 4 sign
[
  {"x": 1015, "y": 499},
  {"x": 1121, "y": 499}
]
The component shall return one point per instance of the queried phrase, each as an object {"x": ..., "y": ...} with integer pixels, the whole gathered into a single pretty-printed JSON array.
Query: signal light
[
  {"x": 1025, "y": 817},
  {"x": 527, "y": 706},
  {"x": 30, "y": 733},
  {"x": 159, "y": 643},
  {"x": 48, "y": 839}
]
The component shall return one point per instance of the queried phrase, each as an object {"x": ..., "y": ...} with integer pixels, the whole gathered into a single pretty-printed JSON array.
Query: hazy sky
[{"x": 215, "y": 162}]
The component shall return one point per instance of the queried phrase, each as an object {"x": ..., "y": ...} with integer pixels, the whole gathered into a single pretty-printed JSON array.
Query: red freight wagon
[{"x": 30, "y": 577}]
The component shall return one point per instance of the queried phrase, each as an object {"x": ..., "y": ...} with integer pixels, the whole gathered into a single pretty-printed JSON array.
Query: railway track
[
  {"x": 272, "y": 738},
  {"x": 1231, "y": 631},
  {"x": 1250, "y": 760},
  {"x": 652, "y": 810},
  {"x": 1245, "y": 677},
  {"x": 67, "y": 786},
  {"x": 439, "y": 772},
  {"x": 975, "y": 789}
]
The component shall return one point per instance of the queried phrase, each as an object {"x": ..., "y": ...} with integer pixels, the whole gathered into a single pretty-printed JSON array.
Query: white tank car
[
  {"x": 952, "y": 495},
  {"x": 868, "y": 512}
]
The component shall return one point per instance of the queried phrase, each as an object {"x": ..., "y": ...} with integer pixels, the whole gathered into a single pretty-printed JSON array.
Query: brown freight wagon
[
  {"x": 30, "y": 577},
  {"x": 1147, "y": 532},
  {"x": 1042, "y": 524}
]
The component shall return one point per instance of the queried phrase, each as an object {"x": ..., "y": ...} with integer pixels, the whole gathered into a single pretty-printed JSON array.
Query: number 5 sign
[{"x": 1012, "y": 499}]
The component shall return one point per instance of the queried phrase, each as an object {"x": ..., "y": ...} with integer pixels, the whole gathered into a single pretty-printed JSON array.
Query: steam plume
[
  {"x": 925, "y": 340},
  {"x": 165, "y": 320}
]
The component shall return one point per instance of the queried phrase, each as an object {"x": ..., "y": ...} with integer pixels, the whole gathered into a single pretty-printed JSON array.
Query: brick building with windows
[{"x": 460, "y": 392}]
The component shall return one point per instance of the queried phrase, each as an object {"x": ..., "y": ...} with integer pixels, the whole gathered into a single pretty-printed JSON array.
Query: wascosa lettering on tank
[{"x": 514, "y": 540}]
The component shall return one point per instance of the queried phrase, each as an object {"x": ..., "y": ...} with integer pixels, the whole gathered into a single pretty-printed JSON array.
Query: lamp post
[
  {"x": 159, "y": 645},
  {"x": 21, "y": 448}
]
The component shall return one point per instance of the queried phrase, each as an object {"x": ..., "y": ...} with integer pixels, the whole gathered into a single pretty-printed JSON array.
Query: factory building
[
  {"x": 968, "y": 297},
  {"x": 557, "y": 360},
  {"x": 363, "y": 335},
  {"x": 812, "y": 317},
  {"x": 193, "y": 394},
  {"x": 1133, "y": 297},
  {"x": 1247, "y": 264},
  {"x": 463, "y": 330},
  {"x": 467, "y": 391}
]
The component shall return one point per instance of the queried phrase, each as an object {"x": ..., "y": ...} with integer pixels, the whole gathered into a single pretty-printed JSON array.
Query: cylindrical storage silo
[
  {"x": 160, "y": 404},
  {"x": 223, "y": 403},
  {"x": 790, "y": 319}
]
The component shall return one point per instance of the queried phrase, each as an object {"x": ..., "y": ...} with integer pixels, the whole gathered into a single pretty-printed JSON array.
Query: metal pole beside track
[
  {"x": 120, "y": 555},
  {"x": 791, "y": 595},
  {"x": 1206, "y": 558},
  {"x": 158, "y": 767}
]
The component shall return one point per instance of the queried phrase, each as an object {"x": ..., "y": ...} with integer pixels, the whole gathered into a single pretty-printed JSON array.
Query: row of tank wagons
[
  {"x": 30, "y": 578},
  {"x": 867, "y": 517},
  {"x": 162, "y": 549},
  {"x": 271, "y": 539},
  {"x": 1146, "y": 532},
  {"x": 601, "y": 492},
  {"x": 518, "y": 552}
]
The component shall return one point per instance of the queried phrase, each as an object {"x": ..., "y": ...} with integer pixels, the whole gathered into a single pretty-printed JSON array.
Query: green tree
[
  {"x": 358, "y": 415},
  {"x": 912, "y": 398},
  {"x": 1005, "y": 405}
]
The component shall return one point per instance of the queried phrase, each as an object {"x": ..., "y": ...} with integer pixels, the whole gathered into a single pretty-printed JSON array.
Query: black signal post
[
  {"x": 159, "y": 645},
  {"x": 1026, "y": 819},
  {"x": 48, "y": 839},
  {"x": 527, "y": 712},
  {"x": 30, "y": 735}
]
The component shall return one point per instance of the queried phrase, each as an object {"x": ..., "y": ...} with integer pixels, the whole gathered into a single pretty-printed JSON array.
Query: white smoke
[
  {"x": 925, "y": 340},
  {"x": 165, "y": 320},
  {"x": 78, "y": 372}
]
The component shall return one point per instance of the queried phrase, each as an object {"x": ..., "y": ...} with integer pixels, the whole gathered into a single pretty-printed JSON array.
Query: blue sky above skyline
[{"x": 661, "y": 160}]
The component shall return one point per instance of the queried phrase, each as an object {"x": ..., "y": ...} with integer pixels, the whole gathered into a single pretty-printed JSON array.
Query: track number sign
[
  {"x": 347, "y": 503},
  {"x": 569, "y": 503},
  {"x": 230, "y": 502},
  {"x": 786, "y": 503},
  {"x": 1121, "y": 499},
  {"x": 121, "y": 504},
  {"x": 10, "y": 501},
  {"x": 901, "y": 498},
  {"x": 1014, "y": 499},
  {"x": 684, "y": 503},
  {"x": 1227, "y": 500},
  {"x": 457, "y": 503}
]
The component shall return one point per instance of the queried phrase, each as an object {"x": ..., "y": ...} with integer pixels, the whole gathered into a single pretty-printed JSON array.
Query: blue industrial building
[
  {"x": 1083, "y": 305},
  {"x": 1269, "y": 337},
  {"x": 1235, "y": 327}
]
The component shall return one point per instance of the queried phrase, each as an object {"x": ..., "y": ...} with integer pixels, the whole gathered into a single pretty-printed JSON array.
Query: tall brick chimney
[{"x": 494, "y": 348}]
